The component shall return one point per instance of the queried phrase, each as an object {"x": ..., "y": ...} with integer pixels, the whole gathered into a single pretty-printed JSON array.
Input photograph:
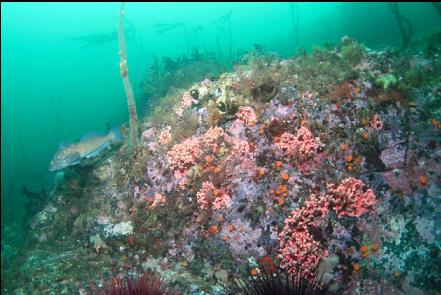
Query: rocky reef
[{"x": 329, "y": 158}]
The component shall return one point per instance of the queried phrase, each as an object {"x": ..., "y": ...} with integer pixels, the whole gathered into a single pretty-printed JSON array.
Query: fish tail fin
[{"x": 115, "y": 134}]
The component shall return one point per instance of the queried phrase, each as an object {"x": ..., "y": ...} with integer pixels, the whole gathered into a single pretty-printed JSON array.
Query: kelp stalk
[
  {"x": 295, "y": 20},
  {"x": 133, "y": 116},
  {"x": 404, "y": 24},
  {"x": 437, "y": 6}
]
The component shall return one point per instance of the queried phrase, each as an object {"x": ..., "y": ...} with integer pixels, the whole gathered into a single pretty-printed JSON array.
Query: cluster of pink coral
[
  {"x": 165, "y": 136},
  {"x": 187, "y": 100},
  {"x": 204, "y": 195},
  {"x": 303, "y": 144},
  {"x": 376, "y": 122},
  {"x": 211, "y": 137},
  {"x": 287, "y": 143},
  {"x": 351, "y": 198},
  {"x": 247, "y": 115},
  {"x": 222, "y": 201},
  {"x": 157, "y": 201},
  {"x": 210, "y": 197},
  {"x": 297, "y": 245},
  {"x": 307, "y": 144},
  {"x": 183, "y": 155}
]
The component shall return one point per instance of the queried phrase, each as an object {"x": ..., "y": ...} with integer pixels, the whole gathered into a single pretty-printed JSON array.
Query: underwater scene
[{"x": 221, "y": 148}]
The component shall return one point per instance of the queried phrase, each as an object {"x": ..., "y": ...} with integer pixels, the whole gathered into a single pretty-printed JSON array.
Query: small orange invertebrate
[
  {"x": 349, "y": 167},
  {"x": 209, "y": 159},
  {"x": 278, "y": 164},
  {"x": 267, "y": 264},
  {"x": 213, "y": 229},
  {"x": 253, "y": 272},
  {"x": 281, "y": 201},
  {"x": 349, "y": 159},
  {"x": 356, "y": 91},
  {"x": 424, "y": 180},
  {"x": 224, "y": 238},
  {"x": 365, "y": 136},
  {"x": 285, "y": 176},
  {"x": 283, "y": 188},
  {"x": 364, "y": 249},
  {"x": 375, "y": 247},
  {"x": 356, "y": 266}
]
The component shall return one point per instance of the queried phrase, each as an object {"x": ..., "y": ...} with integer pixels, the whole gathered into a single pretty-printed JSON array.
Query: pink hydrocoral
[
  {"x": 222, "y": 201},
  {"x": 211, "y": 137},
  {"x": 157, "y": 201},
  {"x": 307, "y": 144},
  {"x": 247, "y": 115},
  {"x": 206, "y": 194},
  {"x": 297, "y": 245},
  {"x": 301, "y": 250},
  {"x": 351, "y": 198},
  {"x": 303, "y": 144},
  {"x": 165, "y": 136},
  {"x": 183, "y": 155},
  {"x": 287, "y": 143},
  {"x": 187, "y": 100}
]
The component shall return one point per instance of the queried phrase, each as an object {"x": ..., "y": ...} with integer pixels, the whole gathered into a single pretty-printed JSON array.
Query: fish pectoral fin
[
  {"x": 74, "y": 158},
  {"x": 97, "y": 151}
]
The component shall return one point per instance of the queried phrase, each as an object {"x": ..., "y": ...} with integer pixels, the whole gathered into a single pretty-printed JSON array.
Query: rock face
[{"x": 329, "y": 160}]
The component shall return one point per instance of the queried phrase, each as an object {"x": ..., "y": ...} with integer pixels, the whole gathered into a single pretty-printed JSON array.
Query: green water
[{"x": 56, "y": 87}]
